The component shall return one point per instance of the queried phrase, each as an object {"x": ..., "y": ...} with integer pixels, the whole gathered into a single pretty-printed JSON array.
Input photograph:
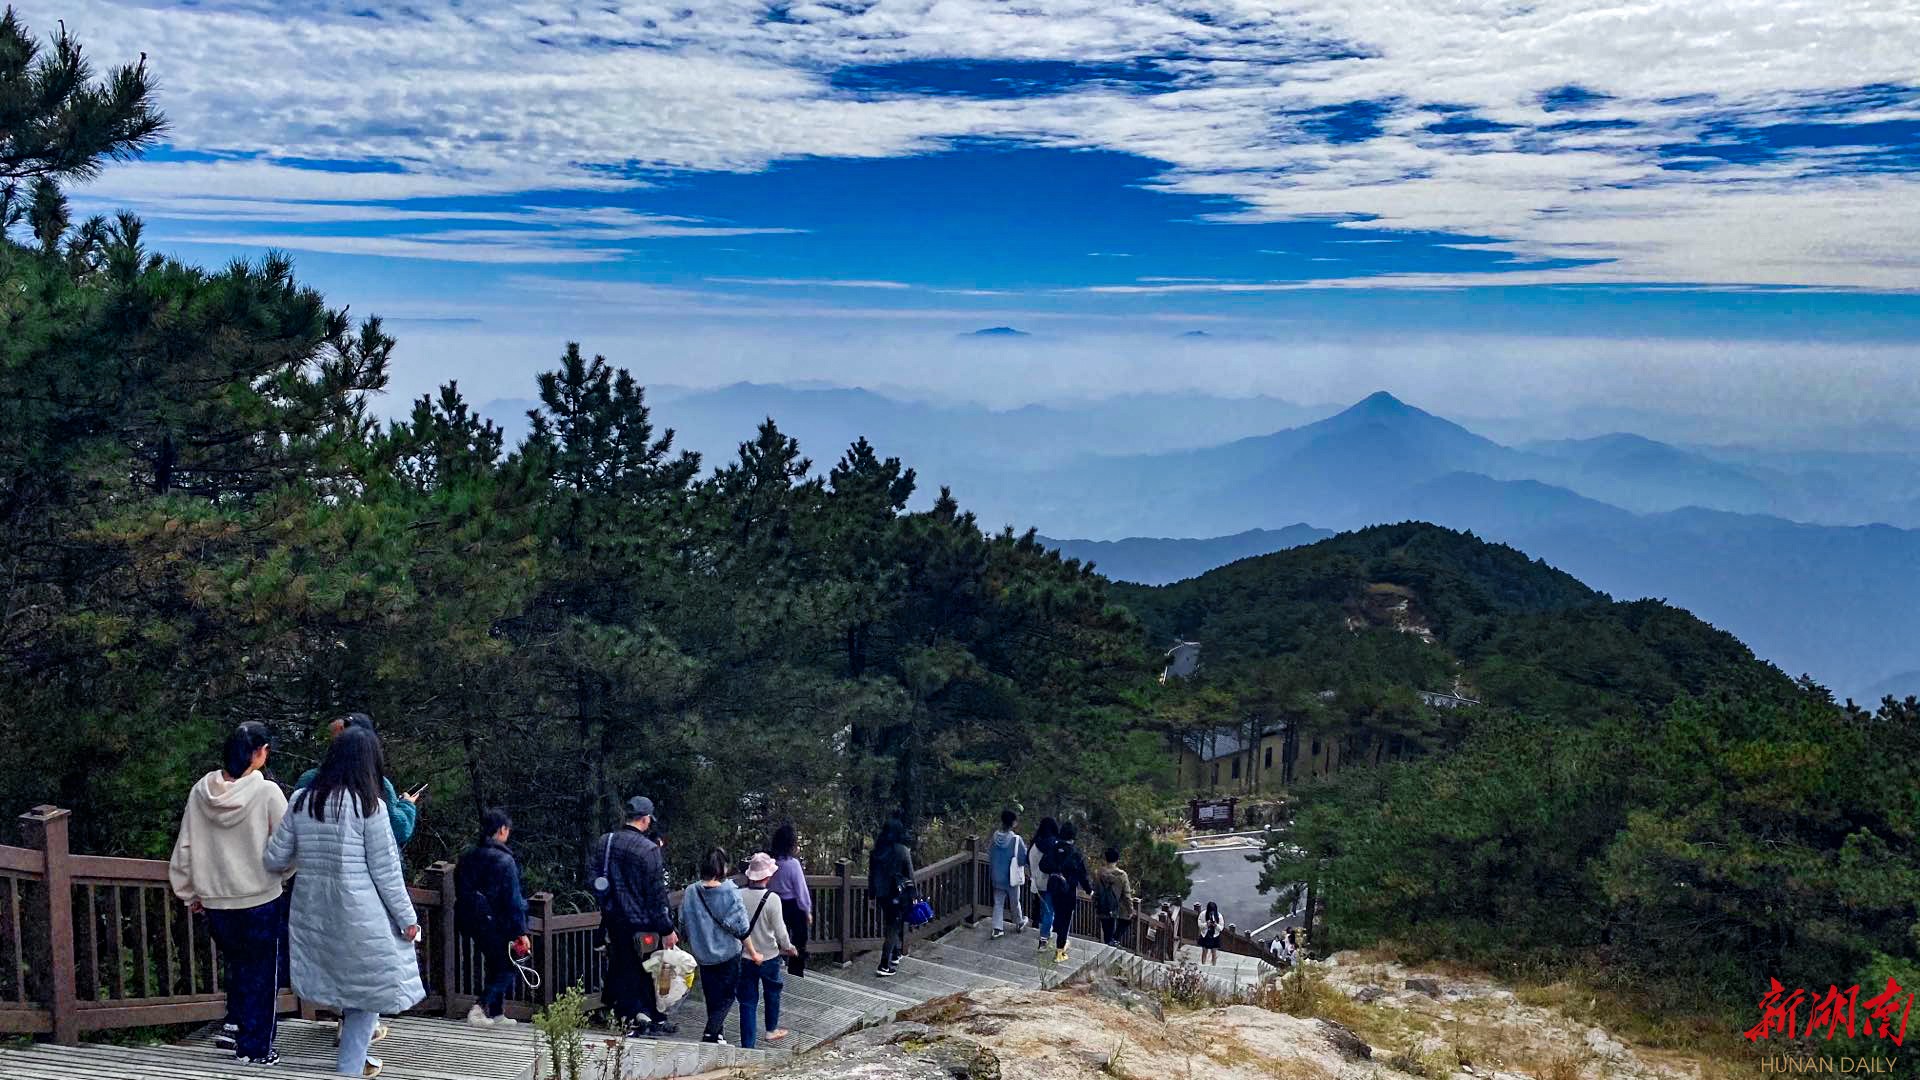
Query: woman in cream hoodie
[{"x": 217, "y": 868}]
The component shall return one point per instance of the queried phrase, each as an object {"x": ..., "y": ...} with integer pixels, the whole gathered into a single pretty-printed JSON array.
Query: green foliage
[
  {"x": 1700, "y": 850},
  {"x": 56, "y": 123},
  {"x": 561, "y": 1028}
]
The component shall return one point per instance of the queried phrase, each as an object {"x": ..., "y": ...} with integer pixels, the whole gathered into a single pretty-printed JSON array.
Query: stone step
[{"x": 814, "y": 1008}]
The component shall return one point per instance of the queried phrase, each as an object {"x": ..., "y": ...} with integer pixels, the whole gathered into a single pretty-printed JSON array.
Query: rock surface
[{"x": 1435, "y": 1026}]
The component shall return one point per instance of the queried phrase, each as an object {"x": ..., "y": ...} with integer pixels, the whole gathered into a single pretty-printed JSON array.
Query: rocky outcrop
[{"x": 1433, "y": 1027}]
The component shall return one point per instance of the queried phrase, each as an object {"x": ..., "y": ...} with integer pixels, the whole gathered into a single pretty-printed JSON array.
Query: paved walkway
[{"x": 829, "y": 1001}]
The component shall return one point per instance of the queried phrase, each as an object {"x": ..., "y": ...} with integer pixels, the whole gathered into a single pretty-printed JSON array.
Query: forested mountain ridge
[{"x": 1415, "y": 606}]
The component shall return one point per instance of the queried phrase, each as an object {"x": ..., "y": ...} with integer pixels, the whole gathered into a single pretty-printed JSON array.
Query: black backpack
[
  {"x": 472, "y": 911},
  {"x": 1107, "y": 898}
]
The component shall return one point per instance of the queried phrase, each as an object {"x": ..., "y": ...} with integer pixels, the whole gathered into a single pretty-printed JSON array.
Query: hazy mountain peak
[
  {"x": 1380, "y": 403},
  {"x": 999, "y": 331}
]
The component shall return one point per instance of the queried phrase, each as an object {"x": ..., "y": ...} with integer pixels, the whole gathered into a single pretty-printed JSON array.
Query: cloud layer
[{"x": 1651, "y": 141}]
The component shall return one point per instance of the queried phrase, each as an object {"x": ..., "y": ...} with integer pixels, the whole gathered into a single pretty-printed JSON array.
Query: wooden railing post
[
  {"x": 1139, "y": 932},
  {"x": 446, "y": 938},
  {"x": 973, "y": 880},
  {"x": 46, "y": 830},
  {"x": 543, "y": 905},
  {"x": 846, "y": 910}
]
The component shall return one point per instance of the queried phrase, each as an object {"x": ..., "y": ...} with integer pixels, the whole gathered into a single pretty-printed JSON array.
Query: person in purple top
[{"x": 796, "y": 898}]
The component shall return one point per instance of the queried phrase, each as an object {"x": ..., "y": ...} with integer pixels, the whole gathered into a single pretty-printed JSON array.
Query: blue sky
[{"x": 858, "y": 171}]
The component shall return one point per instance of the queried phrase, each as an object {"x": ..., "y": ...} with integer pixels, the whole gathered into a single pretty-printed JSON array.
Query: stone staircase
[{"x": 831, "y": 1000}]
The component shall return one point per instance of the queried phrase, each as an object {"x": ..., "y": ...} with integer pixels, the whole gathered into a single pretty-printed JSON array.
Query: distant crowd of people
[{"x": 346, "y": 935}]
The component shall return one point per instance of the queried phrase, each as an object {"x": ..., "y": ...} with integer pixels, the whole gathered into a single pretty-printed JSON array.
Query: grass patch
[{"x": 1305, "y": 992}]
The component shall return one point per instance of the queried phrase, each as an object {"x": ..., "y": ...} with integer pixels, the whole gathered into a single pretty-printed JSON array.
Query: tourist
[
  {"x": 630, "y": 881},
  {"x": 1066, "y": 876},
  {"x": 353, "y": 929},
  {"x": 1283, "y": 947},
  {"x": 490, "y": 911},
  {"x": 1043, "y": 839},
  {"x": 403, "y": 811},
  {"x": 796, "y": 896},
  {"x": 1113, "y": 896},
  {"x": 715, "y": 920},
  {"x": 1168, "y": 922},
  {"x": 1210, "y": 925},
  {"x": 767, "y": 938},
  {"x": 216, "y": 868},
  {"x": 1007, "y": 859},
  {"x": 890, "y": 883}
]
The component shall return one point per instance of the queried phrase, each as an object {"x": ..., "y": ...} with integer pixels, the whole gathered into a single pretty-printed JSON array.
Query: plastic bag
[
  {"x": 673, "y": 971},
  {"x": 920, "y": 914}
]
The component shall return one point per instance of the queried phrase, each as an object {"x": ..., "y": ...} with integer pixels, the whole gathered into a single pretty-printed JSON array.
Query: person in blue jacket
[
  {"x": 715, "y": 920},
  {"x": 490, "y": 910}
]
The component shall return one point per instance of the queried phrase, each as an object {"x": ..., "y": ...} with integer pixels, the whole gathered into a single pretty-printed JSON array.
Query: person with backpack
[
  {"x": 1066, "y": 872},
  {"x": 1113, "y": 896},
  {"x": 715, "y": 919},
  {"x": 353, "y": 929},
  {"x": 1210, "y": 927},
  {"x": 1043, "y": 839},
  {"x": 490, "y": 911},
  {"x": 630, "y": 881},
  {"x": 1007, "y": 859},
  {"x": 216, "y": 869},
  {"x": 767, "y": 934},
  {"x": 890, "y": 883}
]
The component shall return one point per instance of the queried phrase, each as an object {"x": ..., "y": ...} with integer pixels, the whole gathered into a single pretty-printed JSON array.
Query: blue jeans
[
  {"x": 498, "y": 974},
  {"x": 1046, "y": 911},
  {"x": 769, "y": 974},
  {"x": 249, "y": 941},
  {"x": 356, "y": 1034}
]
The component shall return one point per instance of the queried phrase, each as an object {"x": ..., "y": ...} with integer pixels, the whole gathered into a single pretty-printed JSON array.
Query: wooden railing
[{"x": 90, "y": 943}]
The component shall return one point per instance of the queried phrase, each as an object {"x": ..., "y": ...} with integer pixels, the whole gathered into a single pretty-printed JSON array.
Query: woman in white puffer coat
[{"x": 352, "y": 927}]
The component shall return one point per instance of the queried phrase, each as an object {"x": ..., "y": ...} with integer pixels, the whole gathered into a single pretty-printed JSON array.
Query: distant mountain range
[
  {"x": 949, "y": 444},
  {"x": 1768, "y": 544},
  {"x": 1161, "y": 560},
  {"x": 1839, "y": 603}
]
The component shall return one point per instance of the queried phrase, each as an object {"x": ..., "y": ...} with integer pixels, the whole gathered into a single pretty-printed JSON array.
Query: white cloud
[
  {"x": 488, "y": 99},
  {"x": 827, "y": 283}
]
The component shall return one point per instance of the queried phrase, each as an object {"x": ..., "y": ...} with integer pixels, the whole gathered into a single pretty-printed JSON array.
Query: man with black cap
[{"x": 627, "y": 875}]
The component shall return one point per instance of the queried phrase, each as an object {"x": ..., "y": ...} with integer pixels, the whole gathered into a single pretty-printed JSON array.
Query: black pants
[
  {"x": 1061, "y": 896},
  {"x": 629, "y": 989},
  {"x": 718, "y": 982},
  {"x": 249, "y": 942},
  {"x": 497, "y": 975},
  {"x": 1110, "y": 929},
  {"x": 800, "y": 932},
  {"x": 896, "y": 932}
]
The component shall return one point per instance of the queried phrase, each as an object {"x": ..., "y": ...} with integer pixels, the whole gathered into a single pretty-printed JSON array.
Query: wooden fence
[{"x": 90, "y": 943}]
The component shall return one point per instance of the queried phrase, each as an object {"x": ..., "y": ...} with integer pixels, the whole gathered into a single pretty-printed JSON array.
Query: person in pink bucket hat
[{"x": 769, "y": 938}]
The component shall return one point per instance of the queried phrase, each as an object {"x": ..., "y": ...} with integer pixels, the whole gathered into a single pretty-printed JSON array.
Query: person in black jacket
[
  {"x": 627, "y": 875},
  {"x": 1066, "y": 871},
  {"x": 890, "y": 883},
  {"x": 489, "y": 909}
]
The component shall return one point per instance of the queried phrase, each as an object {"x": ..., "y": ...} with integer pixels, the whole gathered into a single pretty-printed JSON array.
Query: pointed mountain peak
[{"x": 1382, "y": 404}]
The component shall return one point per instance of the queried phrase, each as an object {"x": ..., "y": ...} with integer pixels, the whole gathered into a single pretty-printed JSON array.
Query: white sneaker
[{"x": 478, "y": 1017}]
